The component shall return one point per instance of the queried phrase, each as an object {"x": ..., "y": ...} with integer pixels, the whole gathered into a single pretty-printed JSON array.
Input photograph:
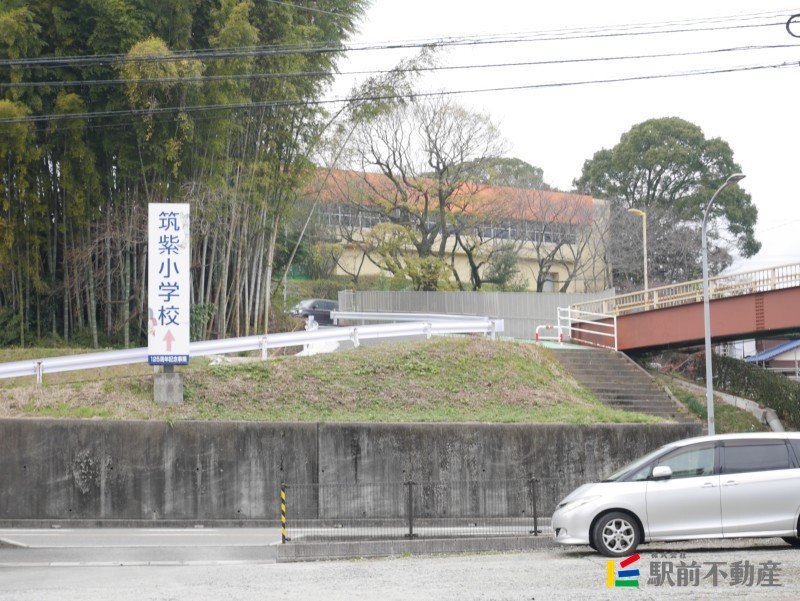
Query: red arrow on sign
[{"x": 169, "y": 339}]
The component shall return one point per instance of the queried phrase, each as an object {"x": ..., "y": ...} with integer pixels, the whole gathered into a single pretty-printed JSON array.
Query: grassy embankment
[{"x": 466, "y": 379}]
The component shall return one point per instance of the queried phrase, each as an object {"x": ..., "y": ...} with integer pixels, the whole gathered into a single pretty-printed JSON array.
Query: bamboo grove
[{"x": 107, "y": 105}]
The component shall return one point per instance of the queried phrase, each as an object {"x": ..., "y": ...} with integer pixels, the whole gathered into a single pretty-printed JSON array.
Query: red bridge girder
[{"x": 738, "y": 317}]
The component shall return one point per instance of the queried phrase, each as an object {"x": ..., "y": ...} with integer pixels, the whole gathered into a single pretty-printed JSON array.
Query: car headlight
[{"x": 575, "y": 503}]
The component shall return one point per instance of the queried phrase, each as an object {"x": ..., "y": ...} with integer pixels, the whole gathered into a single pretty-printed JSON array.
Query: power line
[
  {"x": 328, "y": 48},
  {"x": 320, "y": 102},
  {"x": 320, "y": 74},
  {"x": 775, "y": 227}
]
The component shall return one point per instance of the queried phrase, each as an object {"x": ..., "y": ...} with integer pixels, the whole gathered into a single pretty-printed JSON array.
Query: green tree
[
  {"x": 20, "y": 217},
  {"x": 509, "y": 172},
  {"x": 669, "y": 169},
  {"x": 19, "y": 38},
  {"x": 73, "y": 238}
]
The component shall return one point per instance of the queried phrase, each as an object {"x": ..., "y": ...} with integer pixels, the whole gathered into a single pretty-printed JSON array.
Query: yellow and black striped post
[{"x": 283, "y": 514}]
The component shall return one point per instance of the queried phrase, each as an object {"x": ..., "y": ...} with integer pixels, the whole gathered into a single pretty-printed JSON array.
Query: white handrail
[
  {"x": 567, "y": 316},
  {"x": 465, "y": 325}
]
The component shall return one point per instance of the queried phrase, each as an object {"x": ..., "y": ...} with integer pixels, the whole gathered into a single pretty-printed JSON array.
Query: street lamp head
[
  {"x": 637, "y": 212},
  {"x": 735, "y": 178}
]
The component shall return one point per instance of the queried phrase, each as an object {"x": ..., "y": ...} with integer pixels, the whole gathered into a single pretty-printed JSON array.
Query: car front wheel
[{"x": 616, "y": 535}]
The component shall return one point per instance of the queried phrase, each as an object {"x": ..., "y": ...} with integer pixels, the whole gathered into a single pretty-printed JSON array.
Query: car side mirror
[{"x": 662, "y": 472}]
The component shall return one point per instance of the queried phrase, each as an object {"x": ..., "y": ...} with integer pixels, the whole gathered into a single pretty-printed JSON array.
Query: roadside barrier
[
  {"x": 412, "y": 509},
  {"x": 559, "y": 337},
  {"x": 354, "y": 334}
]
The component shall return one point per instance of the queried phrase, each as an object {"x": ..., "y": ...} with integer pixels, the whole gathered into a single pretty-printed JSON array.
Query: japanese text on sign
[{"x": 169, "y": 254}]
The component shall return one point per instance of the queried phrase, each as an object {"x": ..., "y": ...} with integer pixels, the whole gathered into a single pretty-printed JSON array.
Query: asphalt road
[{"x": 203, "y": 566}]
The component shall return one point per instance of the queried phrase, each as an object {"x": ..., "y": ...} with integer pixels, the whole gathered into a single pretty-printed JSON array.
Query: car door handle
[
  {"x": 709, "y": 485},
  {"x": 731, "y": 483}
]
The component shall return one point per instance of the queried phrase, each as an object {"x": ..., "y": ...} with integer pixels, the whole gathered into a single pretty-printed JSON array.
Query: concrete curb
[
  {"x": 320, "y": 551},
  {"x": 134, "y": 523},
  {"x": 5, "y": 544},
  {"x": 763, "y": 414}
]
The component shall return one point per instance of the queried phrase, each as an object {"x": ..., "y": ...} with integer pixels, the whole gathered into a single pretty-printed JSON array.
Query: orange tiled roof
[{"x": 496, "y": 201}]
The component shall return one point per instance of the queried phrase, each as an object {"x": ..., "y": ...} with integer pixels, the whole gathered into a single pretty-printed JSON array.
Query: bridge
[{"x": 744, "y": 305}]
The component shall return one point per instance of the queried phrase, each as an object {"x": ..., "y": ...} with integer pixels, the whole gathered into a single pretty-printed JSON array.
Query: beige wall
[
  {"x": 593, "y": 275},
  {"x": 527, "y": 265}
]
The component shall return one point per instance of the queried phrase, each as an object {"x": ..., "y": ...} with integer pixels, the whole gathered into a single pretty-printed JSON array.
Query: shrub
[{"x": 758, "y": 384}]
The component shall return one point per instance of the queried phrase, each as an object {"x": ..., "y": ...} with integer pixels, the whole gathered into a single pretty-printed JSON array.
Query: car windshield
[
  {"x": 304, "y": 304},
  {"x": 634, "y": 466}
]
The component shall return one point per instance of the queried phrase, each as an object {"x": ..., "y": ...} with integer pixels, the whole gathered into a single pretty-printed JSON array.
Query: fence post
[
  {"x": 283, "y": 514},
  {"x": 532, "y": 485},
  {"x": 410, "y": 501}
]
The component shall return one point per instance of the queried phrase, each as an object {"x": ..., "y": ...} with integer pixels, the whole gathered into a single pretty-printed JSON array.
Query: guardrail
[
  {"x": 339, "y": 316},
  {"x": 721, "y": 286},
  {"x": 354, "y": 334}
]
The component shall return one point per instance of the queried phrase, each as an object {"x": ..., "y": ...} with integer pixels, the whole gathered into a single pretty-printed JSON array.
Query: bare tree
[
  {"x": 427, "y": 152},
  {"x": 596, "y": 252},
  {"x": 557, "y": 232},
  {"x": 481, "y": 234}
]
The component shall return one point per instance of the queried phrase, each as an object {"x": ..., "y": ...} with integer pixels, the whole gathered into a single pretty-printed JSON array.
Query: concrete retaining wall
[
  {"x": 102, "y": 470},
  {"x": 214, "y": 472}
]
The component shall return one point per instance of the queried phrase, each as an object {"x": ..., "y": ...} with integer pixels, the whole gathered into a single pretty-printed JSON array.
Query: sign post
[{"x": 168, "y": 296}]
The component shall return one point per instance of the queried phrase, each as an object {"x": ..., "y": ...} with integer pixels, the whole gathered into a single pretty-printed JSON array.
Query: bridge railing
[{"x": 721, "y": 286}]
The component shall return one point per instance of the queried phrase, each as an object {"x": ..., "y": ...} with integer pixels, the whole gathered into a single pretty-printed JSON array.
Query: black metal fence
[{"x": 414, "y": 509}]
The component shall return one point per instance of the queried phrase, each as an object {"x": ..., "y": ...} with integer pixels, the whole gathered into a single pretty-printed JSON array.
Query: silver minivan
[{"x": 724, "y": 486}]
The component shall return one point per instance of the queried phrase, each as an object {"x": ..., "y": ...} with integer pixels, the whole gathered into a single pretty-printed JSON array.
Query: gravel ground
[{"x": 543, "y": 575}]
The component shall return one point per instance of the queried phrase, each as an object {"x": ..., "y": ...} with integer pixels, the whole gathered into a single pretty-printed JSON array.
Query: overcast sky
[{"x": 557, "y": 128}]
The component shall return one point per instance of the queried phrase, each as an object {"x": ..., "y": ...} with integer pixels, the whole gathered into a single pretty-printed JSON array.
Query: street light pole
[
  {"x": 706, "y": 311},
  {"x": 643, "y": 215}
]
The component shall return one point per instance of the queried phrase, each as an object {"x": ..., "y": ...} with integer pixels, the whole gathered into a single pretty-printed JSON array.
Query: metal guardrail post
[
  {"x": 283, "y": 514},
  {"x": 410, "y": 501}
]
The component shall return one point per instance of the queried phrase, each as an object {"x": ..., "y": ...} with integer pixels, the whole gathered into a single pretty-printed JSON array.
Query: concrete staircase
[{"x": 620, "y": 383}]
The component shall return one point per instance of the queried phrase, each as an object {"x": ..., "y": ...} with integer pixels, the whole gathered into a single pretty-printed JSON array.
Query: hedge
[{"x": 758, "y": 384}]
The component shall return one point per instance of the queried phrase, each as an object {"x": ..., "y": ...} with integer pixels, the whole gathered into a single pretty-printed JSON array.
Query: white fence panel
[{"x": 522, "y": 312}]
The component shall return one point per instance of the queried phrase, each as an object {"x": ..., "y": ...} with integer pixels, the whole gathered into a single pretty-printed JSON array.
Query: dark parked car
[{"x": 318, "y": 308}]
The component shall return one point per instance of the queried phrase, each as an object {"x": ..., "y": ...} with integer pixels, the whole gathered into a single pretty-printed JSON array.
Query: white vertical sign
[{"x": 168, "y": 293}]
